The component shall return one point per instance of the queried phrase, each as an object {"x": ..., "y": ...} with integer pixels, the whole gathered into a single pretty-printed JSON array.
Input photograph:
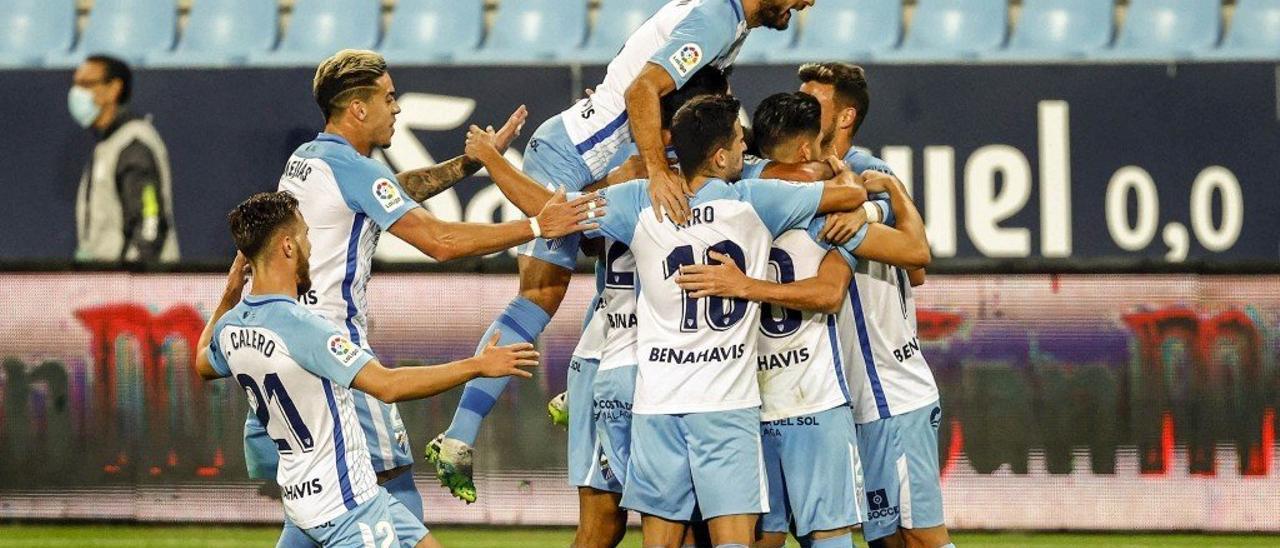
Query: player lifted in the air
[
  {"x": 696, "y": 431},
  {"x": 299, "y": 371},
  {"x": 573, "y": 149}
]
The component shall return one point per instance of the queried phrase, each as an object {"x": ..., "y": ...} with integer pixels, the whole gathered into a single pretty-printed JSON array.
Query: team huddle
[{"x": 749, "y": 366}]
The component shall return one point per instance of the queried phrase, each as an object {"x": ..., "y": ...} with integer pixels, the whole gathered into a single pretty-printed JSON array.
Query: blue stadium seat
[
  {"x": 128, "y": 29},
  {"x": 431, "y": 31},
  {"x": 1254, "y": 32},
  {"x": 31, "y": 29},
  {"x": 765, "y": 43},
  {"x": 848, "y": 30},
  {"x": 531, "y": 31},
  {"x": 615, "y": 22},
  {"x": 1167, "y": 29},
  {"x": 1060, "y": 29},
  {"x": 953, "y": 29},
  {"x": 319, "y": 28},
  {"x": 222, "y": 33}
]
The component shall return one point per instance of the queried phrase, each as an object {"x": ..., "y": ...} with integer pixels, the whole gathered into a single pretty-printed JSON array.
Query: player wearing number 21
[
  {"x": 299, "y": 370},
  {"x": 696, "y": 432}
]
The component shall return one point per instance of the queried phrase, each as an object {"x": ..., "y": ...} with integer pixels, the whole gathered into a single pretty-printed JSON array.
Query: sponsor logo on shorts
[
  {"x": 935, "y": 417},
  {"x": 387, "y": 194},
  {"x": 685, "y": 59},
  {"x": 878, "y": 505},
  {"x": 344, "y": 350}
]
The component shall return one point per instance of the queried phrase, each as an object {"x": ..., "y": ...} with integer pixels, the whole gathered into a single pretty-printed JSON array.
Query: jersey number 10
[{"x": 718, "y": 318}]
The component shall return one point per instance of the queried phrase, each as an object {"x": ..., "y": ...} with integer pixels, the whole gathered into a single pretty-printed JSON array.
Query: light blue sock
[
  {"x": 842, "y": 541},
  {"x": 522, "y": 321}
]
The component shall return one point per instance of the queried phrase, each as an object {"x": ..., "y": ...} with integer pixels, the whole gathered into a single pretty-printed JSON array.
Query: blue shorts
[
  {"x": 614, "y": 394},
  {"x": 260, "y": 455},
  {"x": 552, "y": 159},
  {"x": 372, "y": 523},
  {"x": 585, "y": 466},
  {"x": 900, "y": 462},
  {"x": 709, "y": 460},
  {"x": 814, "y": 472}
]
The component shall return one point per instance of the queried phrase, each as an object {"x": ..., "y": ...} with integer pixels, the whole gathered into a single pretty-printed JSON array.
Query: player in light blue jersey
[
  {"x": 350, "y": 199},
  {"x": 574, "y": 148},
  {"x": 299, "y": 371}
]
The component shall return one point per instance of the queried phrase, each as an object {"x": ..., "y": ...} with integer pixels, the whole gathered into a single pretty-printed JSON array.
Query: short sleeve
[
  {"x": 325, "y": 351},
  {"x": 704, "y": 35},
  {"x": 753, "y": 166},
  {"x": 860, "y": 161},
  {"x": 625, "y": 202},
  {"x": 217, "y": 359},
  {"x": 881, "y": 200},
  {"x": 369, "y": 187},
  {"x": 847, "y": 249},
  {"x": 781, "y": 205}
]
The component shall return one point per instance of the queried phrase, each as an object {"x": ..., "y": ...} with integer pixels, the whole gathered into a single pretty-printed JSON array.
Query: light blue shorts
[
  {"x": 585, "y": 454},
  {"x": 401, "y": 488},
  {"x": 372, "y": 523},
  {"x": 260, "y": 455},
  {"x": 900, "y": 462},
  {"x": 711, "y": 461},
  {"x": 615, "y": 391},
  {"x": 814, "y": 472},
  {"x": 552, "y": 159}
]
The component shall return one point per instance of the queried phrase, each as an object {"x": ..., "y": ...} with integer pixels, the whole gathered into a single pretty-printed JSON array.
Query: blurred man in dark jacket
[{"x": 124, "y": 209}]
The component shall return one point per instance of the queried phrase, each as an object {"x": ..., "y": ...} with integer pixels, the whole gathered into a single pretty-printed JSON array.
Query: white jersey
[
  {"x": 593, "y": 330},
  {"x": 682, "y": 37},
  {"x": 698, "y": 356},
  {"x": 296, "y": 369},
  {"x": 618, "y": 306},
  {"x": 799, "y": 364},
  {"x": 347, "y": 201}
]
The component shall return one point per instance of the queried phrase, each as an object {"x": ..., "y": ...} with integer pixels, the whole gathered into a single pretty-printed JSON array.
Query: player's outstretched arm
[
  {"x": 843, "y": 192},
  {"x": 236, "y": 280},
  {"x": 421, "y": 184},
  {"x": 412, "y": 383},
  {"x": 527, "y": 194},
  {"x": 668, "y": 190},
  {"x": 444, "y": 241},
  {"x": 822, "y": 293},
  {"x": 904, "y": 244}
]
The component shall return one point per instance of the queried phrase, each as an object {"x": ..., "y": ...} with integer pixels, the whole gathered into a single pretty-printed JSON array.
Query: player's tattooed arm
[
  {"x": 236, "y": 279},
  {"x": 412, "y": 383},
  {"x": 422, "y": 184},
  {"x": 823, "y": 293},
  {"x": 903, "y": 245}
]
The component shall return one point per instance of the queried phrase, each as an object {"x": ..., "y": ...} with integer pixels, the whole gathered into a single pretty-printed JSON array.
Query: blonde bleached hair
[{"x": 348, "y": 75}]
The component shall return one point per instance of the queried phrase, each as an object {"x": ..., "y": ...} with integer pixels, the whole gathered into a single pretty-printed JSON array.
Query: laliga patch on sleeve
[
  {"x": 387, "y": 194},
  {"x": 686, "y": 58},
  {"x": 344, "y": 350}
]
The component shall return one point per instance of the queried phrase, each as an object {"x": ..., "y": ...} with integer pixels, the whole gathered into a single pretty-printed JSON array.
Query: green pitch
[{"x": 38, "y": 536}]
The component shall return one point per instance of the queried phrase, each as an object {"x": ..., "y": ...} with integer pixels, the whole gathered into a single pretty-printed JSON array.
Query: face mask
[{"x": 83, "y": 109}]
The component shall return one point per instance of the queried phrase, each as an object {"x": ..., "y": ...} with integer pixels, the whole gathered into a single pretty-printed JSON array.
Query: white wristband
[
  {"x": 874, "y": 215},
  {"x": 533, "y": 225}
]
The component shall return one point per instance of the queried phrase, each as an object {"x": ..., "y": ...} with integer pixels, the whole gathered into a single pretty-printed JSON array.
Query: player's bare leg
[
  {"x": 601, "y": 521},
  {"x": 661, "y": 533},
  {"x": 770, "y": 539},
  {"x": 429, "y": 541},
  {"x": 739, "y": 529},
  {"x": 932, "y": 537},
  {"x": 834, "y": 538}
]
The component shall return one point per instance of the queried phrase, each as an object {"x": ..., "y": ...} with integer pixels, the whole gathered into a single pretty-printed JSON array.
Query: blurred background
[{"x": 1098, "y": 177}]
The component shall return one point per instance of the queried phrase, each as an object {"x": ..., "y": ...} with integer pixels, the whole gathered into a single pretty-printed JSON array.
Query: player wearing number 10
[
  {"x": 300, "y": 371},
  {"x": 696, "y": 431}
]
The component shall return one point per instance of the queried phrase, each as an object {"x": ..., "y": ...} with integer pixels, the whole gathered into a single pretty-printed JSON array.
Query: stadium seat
[
  {"x": 222, "y": 33},
  {"x": 319, "y": 28},
  {"x": 1254, "y": 32},
  {"x": 128, "y": 29},
  {"x": 31, "y": 29},
  {"x": 1167, "y": 29},
  {"x": 531, "y": 31},
  {"x": 764, "y": 43},
  {"x": 953, "y": 29},
  {"x": 615, "y": 22},
  {"x": 847, "y": 30},
  {"x": 1059, "y": 29},
  {"x": 431, "y": 31}
]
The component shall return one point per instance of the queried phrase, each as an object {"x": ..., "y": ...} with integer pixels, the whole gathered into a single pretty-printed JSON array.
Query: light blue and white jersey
[
  {"x": 753, "y": 166},
  {"x": 698, "y": 356},
  {"x": 682, "y": 37},
  {"x": 347, "y": 201},
  {"x": 296, "y": 368}
]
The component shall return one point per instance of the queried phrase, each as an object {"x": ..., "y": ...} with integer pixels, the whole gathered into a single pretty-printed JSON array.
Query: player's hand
[
  {"x": 843, "y": 175},
  {"x": 238, "y": 276},
  {"x": 509, "y": 360},
  {"x": 482, "y": 145},
  {"x": 511, "y": 129},
  {"x": 877, "y": 181},
  {"x": 841, "y": 227},
  {"x": 669, "y": 192},
  {"x": 562, "y": 218},
  {"x": 724, "y": 279}
]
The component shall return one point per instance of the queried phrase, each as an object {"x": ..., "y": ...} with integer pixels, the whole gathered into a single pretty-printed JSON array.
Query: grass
[{"x": 49, "y": 536}]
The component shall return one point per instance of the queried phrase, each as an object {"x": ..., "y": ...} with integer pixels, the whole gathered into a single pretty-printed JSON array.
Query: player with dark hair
[{"x": 301, "y": 374}]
